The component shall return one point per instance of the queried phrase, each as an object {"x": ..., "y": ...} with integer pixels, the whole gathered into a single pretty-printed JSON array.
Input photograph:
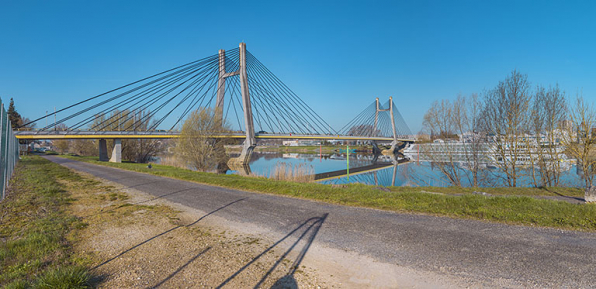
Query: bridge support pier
[
  {"x": 103, "y": 150},
  {"x": 244, "y": 158},
  {"x": 117, "y": 152}
]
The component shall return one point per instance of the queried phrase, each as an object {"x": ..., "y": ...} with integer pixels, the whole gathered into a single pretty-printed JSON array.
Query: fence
[{"x": 9, "y": 150}]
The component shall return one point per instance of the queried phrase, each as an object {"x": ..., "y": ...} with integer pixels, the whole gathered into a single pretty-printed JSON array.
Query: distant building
[{"x": 294, "y": 143}]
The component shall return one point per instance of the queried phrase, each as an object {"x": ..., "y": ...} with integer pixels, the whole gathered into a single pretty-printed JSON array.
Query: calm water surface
[{"x": 409, "y": 174}]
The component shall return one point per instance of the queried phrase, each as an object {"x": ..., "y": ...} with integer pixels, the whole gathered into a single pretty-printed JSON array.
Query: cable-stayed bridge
[{"x": 239, "y": 90}]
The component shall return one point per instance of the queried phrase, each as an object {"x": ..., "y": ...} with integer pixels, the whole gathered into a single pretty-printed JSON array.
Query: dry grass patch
[
  {"x": 301, "y": 173},
  {"x": 135, "y": 242}
]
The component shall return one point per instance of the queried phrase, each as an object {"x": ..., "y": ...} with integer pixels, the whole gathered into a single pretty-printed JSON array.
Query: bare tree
[
  {"x": 202, "y": 140},
  {"x": 476, "y": 148},
  {"x": 26, "y": 124},
  {"x": 457, "y": 151},
  {"x": 139, "y": 150},
  {"x": 83, "y": 147},
  {"x": 438, "y": 120},
  {"x": 442, "y": 119},
  {"x": 364, "y": 129},
  {"x": 506, "y": 119},
  {"x": 549, "y": 113},
  {"x": 62, "y": 145},
  {"x": 580, "y": 139}
]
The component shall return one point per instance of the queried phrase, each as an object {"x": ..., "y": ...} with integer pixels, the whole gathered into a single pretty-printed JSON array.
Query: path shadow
[
  {"x": 180, "y": 268},
  {"x": 164, "y": 233},
  {"x": 564, "y": 196},
  {"x": 307, "y": 232},
  {"x": 143, "y": 184}
]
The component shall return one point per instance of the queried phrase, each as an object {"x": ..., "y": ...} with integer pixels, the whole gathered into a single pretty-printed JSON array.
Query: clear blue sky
[{"x": 336, "y": 55}]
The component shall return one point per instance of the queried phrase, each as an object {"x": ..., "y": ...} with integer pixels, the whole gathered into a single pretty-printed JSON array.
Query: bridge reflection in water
[{"x": 331, "y": 168}]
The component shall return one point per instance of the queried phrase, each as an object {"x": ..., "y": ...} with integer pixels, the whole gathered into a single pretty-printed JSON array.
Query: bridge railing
[{"x": 9, "y": 150}]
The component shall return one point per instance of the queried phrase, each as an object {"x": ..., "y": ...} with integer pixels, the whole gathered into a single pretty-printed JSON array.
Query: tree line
[
  {"x": 136, "y": 150},
  {"x": 524, "y": 131},
  {"x": 193, "y": 149}
]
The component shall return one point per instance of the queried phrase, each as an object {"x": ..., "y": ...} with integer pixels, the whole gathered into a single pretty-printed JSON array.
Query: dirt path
[
  {"x": 265, "y": 259},
  {"x": 136, "y": 241},
  {"x": 355, "y": 247}
]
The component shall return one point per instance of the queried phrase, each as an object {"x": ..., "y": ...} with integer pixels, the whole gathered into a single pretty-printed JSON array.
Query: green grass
[
  {"x": 34, "y": 248},
  {"x": 502, "y": 191},
  {"x": 521, "y": 210},
  {"x": 65, "y": 277}
]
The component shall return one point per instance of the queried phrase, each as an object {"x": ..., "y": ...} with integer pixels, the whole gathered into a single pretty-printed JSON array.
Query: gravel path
[{"x": 428, "y": 250}]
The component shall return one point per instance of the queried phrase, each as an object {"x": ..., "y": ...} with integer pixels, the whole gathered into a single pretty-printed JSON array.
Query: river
[{"x": 408, "y": 174}]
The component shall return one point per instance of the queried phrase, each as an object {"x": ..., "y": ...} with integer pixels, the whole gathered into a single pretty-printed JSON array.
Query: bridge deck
[{"x": 54, "y": 135}]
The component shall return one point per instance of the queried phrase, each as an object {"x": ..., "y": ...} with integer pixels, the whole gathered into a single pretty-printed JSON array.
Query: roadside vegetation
[
  {"x": 36, "y": 230},
  {"x": 61, "y": 229},
  {"x": 194, "y": 148},
  {"x": 301, "y": 173},
  {"x": 516, "y": 208}
]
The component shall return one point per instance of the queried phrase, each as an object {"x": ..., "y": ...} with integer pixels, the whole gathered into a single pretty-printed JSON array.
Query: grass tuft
[{"x": 65, "y": 277}]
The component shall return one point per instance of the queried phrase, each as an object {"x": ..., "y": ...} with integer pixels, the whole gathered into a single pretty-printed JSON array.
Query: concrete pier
[
  {"x": 116, "y": 152},
  {"x": 103, "y": 150}
]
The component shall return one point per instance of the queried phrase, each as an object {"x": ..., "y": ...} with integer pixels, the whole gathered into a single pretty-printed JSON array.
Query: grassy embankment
[
  {"x": 45, "y": 224},
  {"x": 521, "y": 210},
  {"x": 35, "y": 230}
]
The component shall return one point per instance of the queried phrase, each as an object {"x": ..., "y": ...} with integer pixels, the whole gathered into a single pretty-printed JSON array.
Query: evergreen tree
[{"x": 13, "y": 115}]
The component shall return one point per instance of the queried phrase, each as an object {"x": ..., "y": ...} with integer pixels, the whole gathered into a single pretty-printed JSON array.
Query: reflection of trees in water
[
  {"x": 264, "y": 155},
  {"x": 427, "y": 174}
]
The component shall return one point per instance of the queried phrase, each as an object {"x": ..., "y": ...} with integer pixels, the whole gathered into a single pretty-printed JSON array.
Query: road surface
[{"x": 432, "y": 250}]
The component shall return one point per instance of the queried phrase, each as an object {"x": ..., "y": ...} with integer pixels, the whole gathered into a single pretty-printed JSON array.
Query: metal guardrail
[{"x": 9, "y": 151}]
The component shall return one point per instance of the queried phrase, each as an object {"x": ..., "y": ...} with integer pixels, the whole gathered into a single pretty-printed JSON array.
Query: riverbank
[
  {"x": 61, "y": 229},
  {"x": 506, "y": 205}
]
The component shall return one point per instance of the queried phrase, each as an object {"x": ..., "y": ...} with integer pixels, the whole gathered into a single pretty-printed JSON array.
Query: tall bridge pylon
[
  {"x": 392, "y": 117},
  {"x": 377, "y": 121},
  {"x": 250, "y": 141}
]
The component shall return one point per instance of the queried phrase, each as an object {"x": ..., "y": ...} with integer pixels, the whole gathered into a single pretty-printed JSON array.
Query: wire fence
[{"x": 9, "y": 151}]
